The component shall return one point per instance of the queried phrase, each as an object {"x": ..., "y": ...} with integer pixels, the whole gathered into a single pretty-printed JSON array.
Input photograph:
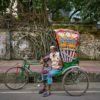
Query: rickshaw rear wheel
[{"x": 75, "y": 82}]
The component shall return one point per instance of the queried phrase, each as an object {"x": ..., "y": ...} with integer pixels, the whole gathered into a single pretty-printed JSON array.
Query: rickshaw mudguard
[{"x": 69, "y": 68}]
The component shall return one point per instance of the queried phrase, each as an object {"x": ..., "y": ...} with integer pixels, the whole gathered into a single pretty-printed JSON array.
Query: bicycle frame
[{"x": 26, "y": 66}]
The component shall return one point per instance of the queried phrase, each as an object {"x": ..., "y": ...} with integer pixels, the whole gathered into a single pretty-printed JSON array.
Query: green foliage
[
  {"x": 3, "y": 5},
  {"x": 55, "y": 5},
  {"x": 89, "y": 9},
  {"x": 31, "y": 5}
]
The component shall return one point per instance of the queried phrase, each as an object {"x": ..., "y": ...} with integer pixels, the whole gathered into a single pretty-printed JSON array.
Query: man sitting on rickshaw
[{"x": 56, "y": 66}]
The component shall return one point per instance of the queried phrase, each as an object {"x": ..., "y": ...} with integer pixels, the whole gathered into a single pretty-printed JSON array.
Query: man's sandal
[{"x": 46, "y": 94}]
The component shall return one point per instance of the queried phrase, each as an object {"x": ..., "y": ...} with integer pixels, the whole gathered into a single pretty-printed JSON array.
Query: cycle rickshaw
[{"x": 74, "y": 80}]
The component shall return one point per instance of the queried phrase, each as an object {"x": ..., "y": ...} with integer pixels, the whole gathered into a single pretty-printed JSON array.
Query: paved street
[
  {"x": 57, "y": 86},
  {"x": 30, "y": 92},
  {"x": 30, "y": 95}
]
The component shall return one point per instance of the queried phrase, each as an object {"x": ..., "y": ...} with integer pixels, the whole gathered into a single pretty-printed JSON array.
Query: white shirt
[{"x": 55, "y": 58}]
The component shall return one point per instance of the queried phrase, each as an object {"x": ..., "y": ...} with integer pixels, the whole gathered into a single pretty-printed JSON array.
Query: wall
[
  {"x": 3, "y": 38},
  {"x": 21, "y": 46},
  {"x": 90, "y": 46},
  {"x": 17, "y": 46}
]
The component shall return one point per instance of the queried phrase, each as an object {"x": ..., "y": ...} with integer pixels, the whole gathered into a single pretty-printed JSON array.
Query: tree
[
  {"x": 55, "y": 5},
  {"x": 4, "y": 4},
  {"x": 89, "y": 9}
]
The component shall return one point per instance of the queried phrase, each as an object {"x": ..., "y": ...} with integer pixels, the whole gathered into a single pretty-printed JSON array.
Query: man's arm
[
  {"x": 46, "y": 58},
  {"x": 60, "y": 63}
]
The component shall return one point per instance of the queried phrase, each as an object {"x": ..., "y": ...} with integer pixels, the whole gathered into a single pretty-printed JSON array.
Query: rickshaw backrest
[{"x": 68, "y": 44}]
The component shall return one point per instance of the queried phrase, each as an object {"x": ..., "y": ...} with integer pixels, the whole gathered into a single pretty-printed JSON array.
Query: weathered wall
[
  {"x": 3, "y": 42},
  {"x": 90, "y": 46},
  {"x": 17, "y": 46},
  {"x": 21, "y": 46}
]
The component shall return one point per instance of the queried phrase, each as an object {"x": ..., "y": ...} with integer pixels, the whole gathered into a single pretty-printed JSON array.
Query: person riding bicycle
[{"x": 56, "y": 66}]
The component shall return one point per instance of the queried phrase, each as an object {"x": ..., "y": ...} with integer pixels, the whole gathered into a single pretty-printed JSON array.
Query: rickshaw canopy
[{"x": 68, "y": 42}]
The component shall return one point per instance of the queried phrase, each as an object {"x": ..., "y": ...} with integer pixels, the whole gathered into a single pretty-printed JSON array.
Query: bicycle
[{"x": 17, "y": 77}]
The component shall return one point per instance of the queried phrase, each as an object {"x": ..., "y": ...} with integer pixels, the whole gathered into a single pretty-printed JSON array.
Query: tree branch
[{"x": 74, "y": 13}]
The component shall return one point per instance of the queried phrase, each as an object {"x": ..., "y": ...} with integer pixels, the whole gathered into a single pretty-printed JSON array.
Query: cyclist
[{"x": 56, "y": 66}]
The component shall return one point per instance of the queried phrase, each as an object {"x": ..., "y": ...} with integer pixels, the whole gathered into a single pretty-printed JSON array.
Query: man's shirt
[{"x": 55, "y": 59}]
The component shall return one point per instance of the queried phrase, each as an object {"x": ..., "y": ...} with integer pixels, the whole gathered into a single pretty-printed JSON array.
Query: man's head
[{"x": 52, "y": 49}]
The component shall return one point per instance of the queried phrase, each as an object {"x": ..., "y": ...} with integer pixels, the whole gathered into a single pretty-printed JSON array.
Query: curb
[
  {"x": 93, "y": 86},
  {"x": 93, "y": 77}
]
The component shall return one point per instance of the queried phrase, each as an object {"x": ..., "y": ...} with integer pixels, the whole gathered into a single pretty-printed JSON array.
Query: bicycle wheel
[
  {"x": 16, "y": 78},
  {"x": 75, "y": 82}
]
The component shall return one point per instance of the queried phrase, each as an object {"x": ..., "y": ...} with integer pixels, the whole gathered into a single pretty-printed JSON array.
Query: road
[{"x": 30, "y": 95}]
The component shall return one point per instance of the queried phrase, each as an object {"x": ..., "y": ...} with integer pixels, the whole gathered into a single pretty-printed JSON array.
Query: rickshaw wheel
[{"x": 75, "y": 82}]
